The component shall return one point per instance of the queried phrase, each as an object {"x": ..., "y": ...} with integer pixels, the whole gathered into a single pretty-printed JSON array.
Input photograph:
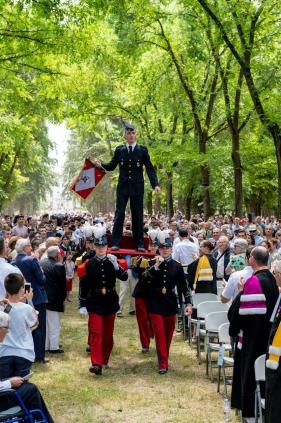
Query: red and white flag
[{"x": 88, "y": 179}]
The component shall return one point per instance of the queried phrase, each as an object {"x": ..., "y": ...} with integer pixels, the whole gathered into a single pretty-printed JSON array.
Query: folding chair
[
  {"x": 20, "y": 413},
  {"x": 202, "y": 310},
  {"x": 220, "y": 284},
  {"x": 260, "y": 377},
  {"x": 224, "y": 361},
  {"x": 219, "y": 291},
  {"x": 197, "y": 299},
  {"x": 212, "y": 323}
]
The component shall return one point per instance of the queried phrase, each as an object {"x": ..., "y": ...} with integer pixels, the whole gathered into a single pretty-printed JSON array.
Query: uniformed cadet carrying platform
[{"x": 99, "y": 298}]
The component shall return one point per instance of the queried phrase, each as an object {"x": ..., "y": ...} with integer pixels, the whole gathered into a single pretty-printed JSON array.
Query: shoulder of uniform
[
  {"x": 120, "y": 147},
  {"x": 143, "y": 147}
]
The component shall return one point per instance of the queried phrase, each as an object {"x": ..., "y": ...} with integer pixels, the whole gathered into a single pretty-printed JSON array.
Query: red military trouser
[
  {"x": 101, "y": 337},
  {"x": 163, "y": 327},
  {"x": 145, "y": 329}
]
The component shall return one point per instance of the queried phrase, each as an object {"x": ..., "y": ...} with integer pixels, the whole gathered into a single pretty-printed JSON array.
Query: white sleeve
[
  {"x": 31, "y": 316},
  {"x": 5, "y": 384},
  {"x": 175, "y": 253},
  {"x": 229, "y": 290}
]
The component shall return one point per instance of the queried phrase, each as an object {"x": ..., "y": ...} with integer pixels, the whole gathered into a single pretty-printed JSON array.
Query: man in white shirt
[
  {"x": 20, "y": 229},
  {"x": 5, "y": 267},
  {"x": 185, "y": 251}
]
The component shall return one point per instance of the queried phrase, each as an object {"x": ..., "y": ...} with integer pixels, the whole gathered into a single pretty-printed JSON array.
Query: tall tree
[{"x": 250, "y": 21}]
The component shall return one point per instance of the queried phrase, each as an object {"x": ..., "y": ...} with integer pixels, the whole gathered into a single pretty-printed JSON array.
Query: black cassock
[
  {"x": 273, "y": 384},
  {"x": 256, "y": 329}
]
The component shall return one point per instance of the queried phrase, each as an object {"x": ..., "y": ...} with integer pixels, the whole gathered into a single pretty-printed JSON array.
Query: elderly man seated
[{"x": 29, "y": 393}]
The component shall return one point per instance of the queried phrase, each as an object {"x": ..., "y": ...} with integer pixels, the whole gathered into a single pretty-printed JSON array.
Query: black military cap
[{"x": 129, "y": 127}]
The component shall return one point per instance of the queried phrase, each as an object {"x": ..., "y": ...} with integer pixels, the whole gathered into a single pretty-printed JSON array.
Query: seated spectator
[
  {"x": 29, "y": 393},
  {"x": 17, "y": 350}
]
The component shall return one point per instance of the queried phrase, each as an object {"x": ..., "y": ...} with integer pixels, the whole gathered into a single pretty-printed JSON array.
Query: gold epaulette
[
  {"x": 78, "y": 261},
  {"x": 139, "y": 261},
  {"x": 182, "y": 264}
]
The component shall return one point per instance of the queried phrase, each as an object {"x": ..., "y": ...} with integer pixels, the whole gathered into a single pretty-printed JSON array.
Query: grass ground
[{"x": 131, "y": 389}]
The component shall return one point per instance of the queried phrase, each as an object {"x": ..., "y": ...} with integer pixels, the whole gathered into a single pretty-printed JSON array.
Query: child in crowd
[
  {"x": 17, "y": 349},
  {"x": 69, "y": 270}
]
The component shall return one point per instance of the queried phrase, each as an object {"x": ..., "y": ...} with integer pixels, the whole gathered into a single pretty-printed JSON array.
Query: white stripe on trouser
[
  {"x": 125, "y": 287},
  {"x": 52, "y": 330}
]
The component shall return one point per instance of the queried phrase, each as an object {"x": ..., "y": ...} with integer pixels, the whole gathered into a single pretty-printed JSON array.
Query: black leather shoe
[
  {"x": 145, "y": 350},
  {"x": 58, "y": 351},
  {"x": 95, "y": 368},
  {"x": 88, "y": 349},
  {"x": 114, "y": 248},
  {"x": 132, "y": 313},
  {"x": 42, "y": 360},
  {"x": 141, "y": 250},
  {"x": 162, "y": 371}
]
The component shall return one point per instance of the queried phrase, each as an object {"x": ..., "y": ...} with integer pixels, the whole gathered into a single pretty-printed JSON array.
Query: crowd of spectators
[{"x": 48, "y": 246}]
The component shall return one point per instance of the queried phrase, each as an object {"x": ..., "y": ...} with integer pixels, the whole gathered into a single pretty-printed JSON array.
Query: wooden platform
[
  {"x": 127, "y": 251},
  {"x": 127, "y": 247}
]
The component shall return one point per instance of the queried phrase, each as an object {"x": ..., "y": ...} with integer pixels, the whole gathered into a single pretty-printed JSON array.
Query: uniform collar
[
  {"x": 99, "y": 258},
  {"x": 168, "y": 259},
  {"x": 132, "y": 145}
]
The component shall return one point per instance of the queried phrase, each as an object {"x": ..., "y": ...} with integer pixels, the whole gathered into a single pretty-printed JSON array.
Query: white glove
[
  {"x": 83, "y": 311},
  {"x": 114, "y": 261},
  {"x": 159, "y": 260}
]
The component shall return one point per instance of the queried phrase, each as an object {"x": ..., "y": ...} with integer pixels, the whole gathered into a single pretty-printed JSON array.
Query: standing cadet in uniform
[
  {"x": 131, "y": 158},
  {"x": 165, "y": 278},
  {"x": 98, "y": 295}
]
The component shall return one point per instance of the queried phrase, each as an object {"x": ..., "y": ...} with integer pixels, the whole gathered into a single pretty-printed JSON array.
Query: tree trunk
[
  {"x": 205, "y": 181},
  {"x": 238, "y": 192},
  {"x": 277, "y": 143},
  {"x": 157, "y": 204},
  {"x": 149, "y": 202},
  {"x": 169, "y": 195},
  {"x": 244, "y": 61},
  {"x": 188, "y": 202}
]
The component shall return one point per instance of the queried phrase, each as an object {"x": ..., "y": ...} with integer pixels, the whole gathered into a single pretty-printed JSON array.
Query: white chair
[
  {"x": 224, "y": 361},
  {"x": 202, "y": 310},
  {"x": 260, "y": 377},
  {"x": 197, "y": 299},
  {"x": 220, "y": 283},
  {"x": 212, "y": 323},
  {"x": 219, "y": 292}
]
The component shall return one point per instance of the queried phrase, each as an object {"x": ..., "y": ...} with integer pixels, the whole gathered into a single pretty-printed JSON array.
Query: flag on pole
[{"x": 87, "y": 180}]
